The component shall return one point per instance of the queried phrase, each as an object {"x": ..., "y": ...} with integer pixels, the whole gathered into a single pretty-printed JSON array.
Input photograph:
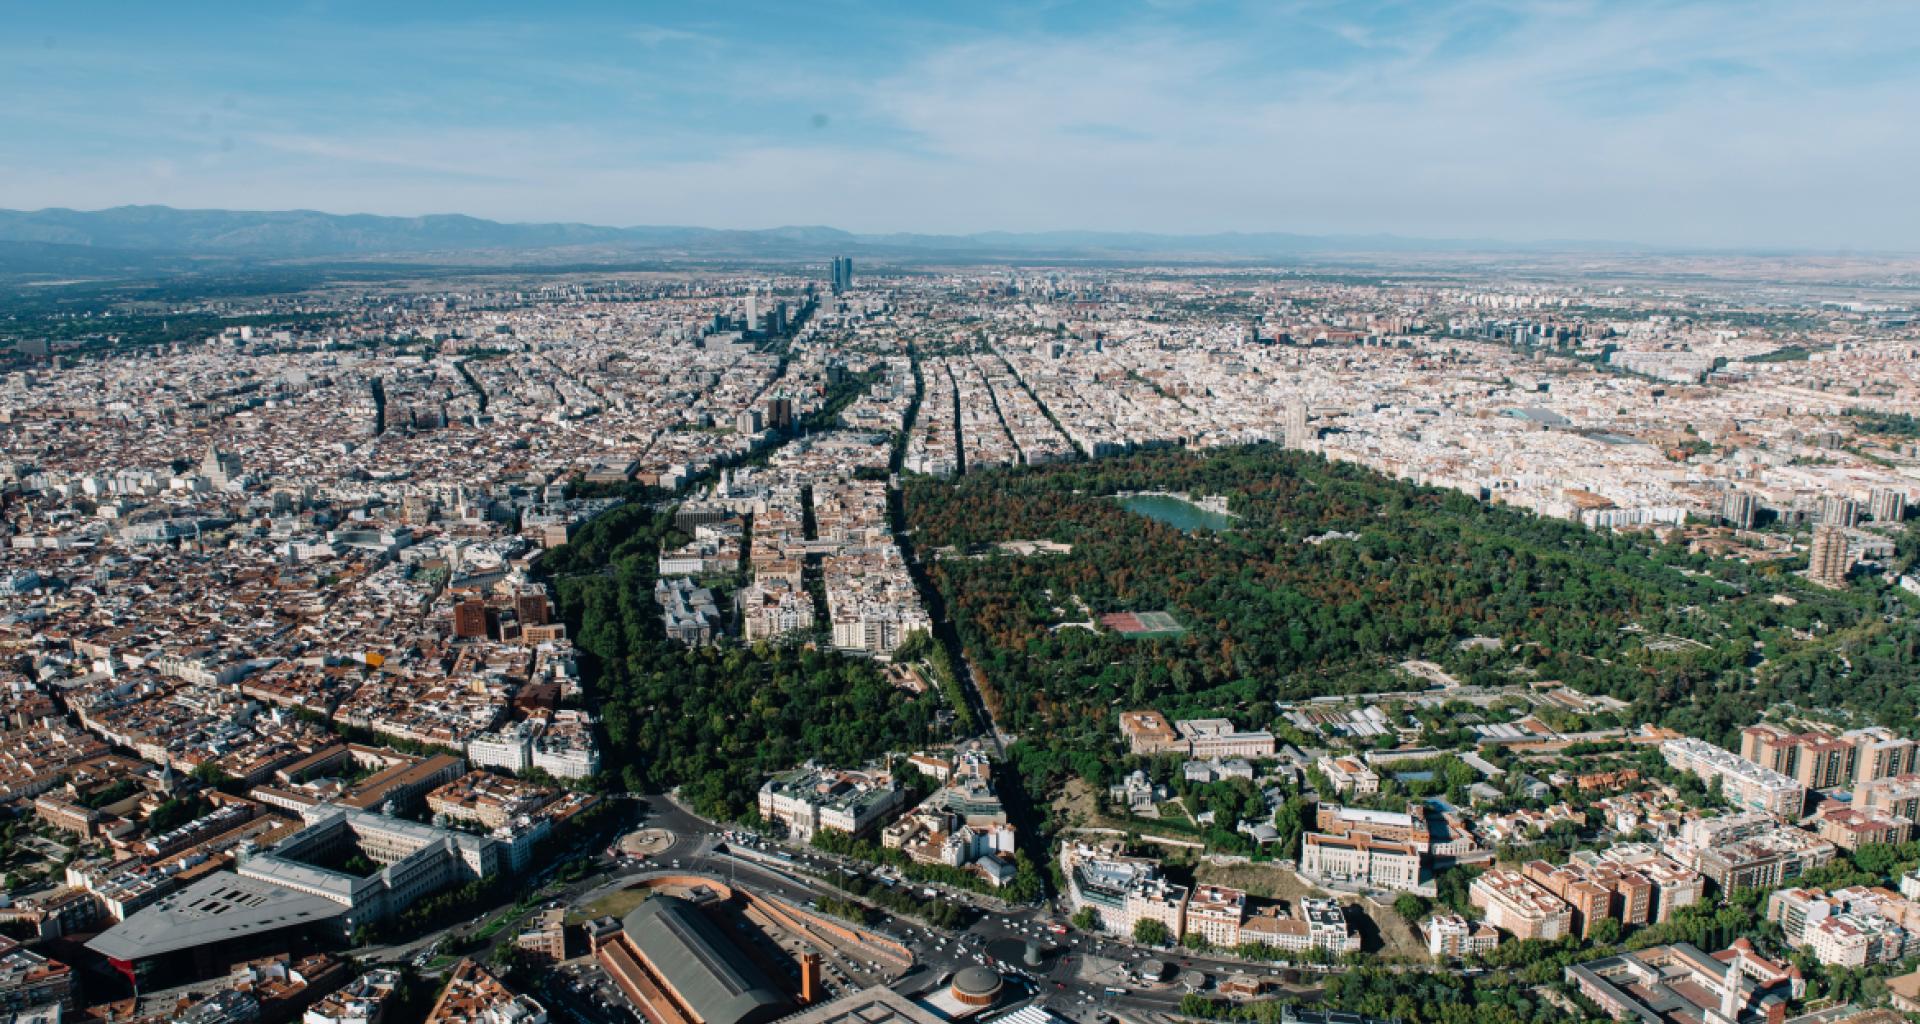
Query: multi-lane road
[
  {"x": 1085, "y": 978},
  {"x": 1082, "y": 977}
]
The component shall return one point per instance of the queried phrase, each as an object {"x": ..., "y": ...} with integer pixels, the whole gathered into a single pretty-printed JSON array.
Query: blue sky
[{"x": 1727, "y": 124}]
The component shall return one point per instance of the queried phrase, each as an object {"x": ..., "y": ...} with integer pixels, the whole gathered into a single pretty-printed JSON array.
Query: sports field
[{"x": 1143, "y": 624}]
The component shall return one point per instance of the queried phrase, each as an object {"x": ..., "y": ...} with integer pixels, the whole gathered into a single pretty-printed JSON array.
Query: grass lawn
[{"x": 617, "y": 904}]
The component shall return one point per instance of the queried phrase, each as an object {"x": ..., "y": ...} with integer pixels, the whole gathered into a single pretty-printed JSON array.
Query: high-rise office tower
[
  {"x": 1293, "y": 423},
  {"x": 218, "y": 466},
  {"x": 1887, "y": 504},
  {"x": 1740, "y": 509},
  {"x": 1828, "y": 562},
  {"x": 842, "y": 275},
  {"x": 1838, "y": 510},
  {"x": 470, "y": 619},
  {"x": 780, "y": 413},
  {"x": 753, "y": 310},
  {"x": 530, "y": 607}
]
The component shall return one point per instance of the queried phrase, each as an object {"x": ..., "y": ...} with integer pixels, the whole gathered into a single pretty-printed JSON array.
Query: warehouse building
[{"x": 679, "y": 967}]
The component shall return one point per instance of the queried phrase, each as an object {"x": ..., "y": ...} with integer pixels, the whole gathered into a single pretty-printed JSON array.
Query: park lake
[{"x": 1176, "y": 511}]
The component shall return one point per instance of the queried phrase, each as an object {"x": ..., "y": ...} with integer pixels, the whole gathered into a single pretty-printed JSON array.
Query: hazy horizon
[
  {"x": 1328, "y": 243},
  {"x": 1691, "y": 125}
]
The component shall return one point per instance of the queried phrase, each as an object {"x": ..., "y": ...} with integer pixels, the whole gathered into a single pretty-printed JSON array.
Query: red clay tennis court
[{"x": 1143, "y": 623}]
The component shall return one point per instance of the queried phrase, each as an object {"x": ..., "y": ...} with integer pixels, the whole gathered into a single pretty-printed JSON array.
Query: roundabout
[
  {"x": 1023, "y": 953},
  {"x": 646, "y": 842}
]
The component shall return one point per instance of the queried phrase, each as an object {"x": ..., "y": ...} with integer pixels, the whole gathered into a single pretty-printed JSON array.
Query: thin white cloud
[
  {"x": 663, "y": 35},
  {"x": 1523, "y": 143},
  {"x": 1768, "y": 123}
]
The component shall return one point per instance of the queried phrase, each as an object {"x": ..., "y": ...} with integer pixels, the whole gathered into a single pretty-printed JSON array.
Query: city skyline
[
  {"x": 609, "y": 621},
  {"x": 1702, "y": 125}
]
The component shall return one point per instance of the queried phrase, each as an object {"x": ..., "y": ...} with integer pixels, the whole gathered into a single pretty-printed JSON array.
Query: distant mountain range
[{"x": 64, "y": 236}]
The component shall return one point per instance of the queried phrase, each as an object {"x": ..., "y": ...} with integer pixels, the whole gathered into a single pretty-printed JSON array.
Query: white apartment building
[
  {"x": 1316, "y": 924},
  {"x": 771, "y": 609},
  {"x": 566, "y": 748},
  {"x": 1349, "y": 776},
  {"x": 1744, "y": 783},
  {"x": 1451, "y": 936},
  {"x": 1122, "y": 891},
  {"x": 1849, "y": 928},
  {"x": 509, "y": 748}
]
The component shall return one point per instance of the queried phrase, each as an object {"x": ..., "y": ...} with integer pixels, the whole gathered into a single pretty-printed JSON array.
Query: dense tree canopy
[
  {"x": 1333, "y": 574},
  {"x": 712, "y": 720}
]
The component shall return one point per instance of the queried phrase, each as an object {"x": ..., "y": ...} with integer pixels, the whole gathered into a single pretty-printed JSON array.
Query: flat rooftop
[
  {"x": 866, "y": 1006},
  {"x": 217, "y": 908}
]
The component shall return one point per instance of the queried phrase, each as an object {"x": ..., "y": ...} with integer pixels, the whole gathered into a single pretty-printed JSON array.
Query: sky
[{"x": 1740, "y": 124}]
